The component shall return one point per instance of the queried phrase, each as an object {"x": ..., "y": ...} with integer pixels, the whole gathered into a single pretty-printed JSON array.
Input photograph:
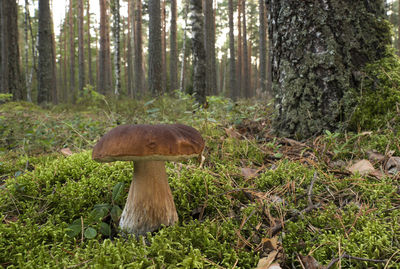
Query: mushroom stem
[{"x": 150, "y": 203}]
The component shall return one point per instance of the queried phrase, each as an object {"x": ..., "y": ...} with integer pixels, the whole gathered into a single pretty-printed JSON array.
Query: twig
[
  {"x": 213, "y": 263},
  {"x": 82, "y": 229},
  {"x": 346, "y": 256},
  {"x": 79, "y": 264},
  {"x": 278, "y": 227},
  {"x": 310, "y": 190}
]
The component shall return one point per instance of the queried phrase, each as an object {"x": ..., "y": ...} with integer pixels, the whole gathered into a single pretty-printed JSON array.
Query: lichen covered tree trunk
[{"x": 319, "y": 48}]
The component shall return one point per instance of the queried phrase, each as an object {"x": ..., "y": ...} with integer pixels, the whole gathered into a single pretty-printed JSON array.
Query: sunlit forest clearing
[{"x": 293, "y": 161}]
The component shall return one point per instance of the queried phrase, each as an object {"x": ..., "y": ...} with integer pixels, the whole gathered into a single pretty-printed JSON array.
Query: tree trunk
[
  {"x": 319, "y": 48},
  {"x": 239, "y": 68},
  {"x": 81, "y": 52},
  {"x": 199, "y": 54},
  {"x": 46, "y": 79},
  {"x": 262, "y": 47},
  {"x": 72, "y": 51},
  {"x": 246, "y": 76},
  {"x": 173, "y": 61},
  {"x": 129, "y": 40},
  {"x": 232, "y": 64},
  {"x": 163, "y": 47},
  {"x": 104, "y": 78},
  {"x": 138, "y": 67},
  {"x": 11, "y": 78},
  {"x": 117, "y": 47},
  {"x": 210, "y": 47},
  {"x": 155, "y": 57},
  {"x": 89, "y": 50},
  {"x": 184, "y": 48},
  {"x": 28, "y": 79}
]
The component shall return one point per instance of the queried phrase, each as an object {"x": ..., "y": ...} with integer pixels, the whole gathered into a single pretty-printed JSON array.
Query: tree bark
[
  {"x": 199, "y": 54},
  {"x": 173, "y": 61},
  {"x": 319, "y": 48},
  {"x": 163, "y": 47},
  {"x": 81, "y": 52},
  {"x": 89, "y": 50},
  {"x": 71, "y": 51},
  {"x": 239, "y": 69},
  {"x": 246, "y": 76},
  {"x": 263, "y": 47},
  {"x": 209, "y": 42},
  {"x": 117, "y": 46},
  {"x": 184, "y": 48},
  {"x": 129, "y": 40},
  {"x": 138, "y": 67},
  {"x": 104, "y": 78},
  {"x": 232, "y": 63},
  {"x": 46, "y": 78},
  {"x": 155, "y": 57},
  {"x": 11, "y": 78}
]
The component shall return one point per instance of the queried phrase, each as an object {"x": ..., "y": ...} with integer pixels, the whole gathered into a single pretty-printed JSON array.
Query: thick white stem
[{"x": 150, "y": 203}]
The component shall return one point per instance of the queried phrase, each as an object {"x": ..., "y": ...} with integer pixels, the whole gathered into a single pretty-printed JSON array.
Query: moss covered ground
[{"x": 256, "y": 198}]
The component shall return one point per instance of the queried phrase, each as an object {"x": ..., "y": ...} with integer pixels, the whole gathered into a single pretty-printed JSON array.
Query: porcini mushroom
[{"x": 150, "y": 203}]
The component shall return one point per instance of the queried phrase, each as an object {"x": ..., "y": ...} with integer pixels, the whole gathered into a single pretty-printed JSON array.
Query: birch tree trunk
[{"x": 117, "y": 47}]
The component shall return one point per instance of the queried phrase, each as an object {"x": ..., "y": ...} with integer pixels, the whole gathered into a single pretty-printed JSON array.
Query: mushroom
[{"x": 150, "y": 203}]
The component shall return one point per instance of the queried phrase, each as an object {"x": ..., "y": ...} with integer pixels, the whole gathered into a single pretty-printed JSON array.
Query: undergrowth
[{"x": 61, "y": 211}]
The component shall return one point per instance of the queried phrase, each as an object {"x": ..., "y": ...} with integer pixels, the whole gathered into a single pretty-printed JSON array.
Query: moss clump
[{"x": 378, "y": 98}]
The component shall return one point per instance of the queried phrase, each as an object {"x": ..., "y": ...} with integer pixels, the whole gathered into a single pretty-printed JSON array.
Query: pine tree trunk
[
  {"x": 11, "y": 79},
  {"x": 89, "y": 50},
  {"x": 199, "y": 54},
  {"x": 155, "y": 55},
  {"x": 129, "y": 39},
  {"x": 239, "y": 68},
  {"x": 232, "y": 63},
  {"x": 46, "y": 79},
  {"x": 104, "y": 74},
  {"x": 210, "y": 47},
  {"x": 71, "y": 51},
  {"x": 184, "y": 48},
  {"x": 163, "y": 47},
  {"x": 262, "y": 47},
  {"x": 81, "y": 53},
  {"x": 245, "y": 81},
  {"x": 28, "y": 79},
  {"x": 173, "y": 61},
  {"x": 313, "y": 70},
  {"x": 138, "y": 57}
]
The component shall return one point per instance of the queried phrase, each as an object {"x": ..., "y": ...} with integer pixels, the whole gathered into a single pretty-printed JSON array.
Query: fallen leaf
[
  {"x": 275, "y": 266},
  {"x": 231, "y": 132},
  {"x": 270, "y": 243},
  {"x": 363, "y": 167},
  {"x": 375, "y": 156},
  {"x": 248, "y": 173},
  {"x": 393, "y": 165},
  {"x": 264, "y": 263},
  {"x": 309, "y": 262},
  {"x": 66, "y": 152}
]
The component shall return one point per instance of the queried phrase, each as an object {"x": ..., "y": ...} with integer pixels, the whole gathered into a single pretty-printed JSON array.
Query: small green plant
[{"x": 95, "y": 222}]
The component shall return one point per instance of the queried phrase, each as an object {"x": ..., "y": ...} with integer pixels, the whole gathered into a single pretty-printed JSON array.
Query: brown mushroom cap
[{"x": 164, "y": 142}]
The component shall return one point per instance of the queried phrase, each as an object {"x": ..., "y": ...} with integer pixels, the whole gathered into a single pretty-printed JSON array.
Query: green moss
[{"x": 378, "y": 98}]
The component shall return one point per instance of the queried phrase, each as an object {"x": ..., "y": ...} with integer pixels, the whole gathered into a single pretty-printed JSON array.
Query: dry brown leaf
[
  {"x": 393, "y": 165},
  {"x": 275, "y": 266},
  {"x": 66, "y": 152},
  {"x": 375, "y": 156},
  {"x": 309, "y": 262},
  {"x": 270, "y": 243},
  {"x": 248, "y": 173},
  {"x": 363, "y": 167},
  {"x": 264, "y": 263},
  {"x": 231, "y": 132}
]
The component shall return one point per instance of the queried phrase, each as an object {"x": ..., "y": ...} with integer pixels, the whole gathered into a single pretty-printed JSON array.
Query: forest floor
[{"x": 257, "y": 200}]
